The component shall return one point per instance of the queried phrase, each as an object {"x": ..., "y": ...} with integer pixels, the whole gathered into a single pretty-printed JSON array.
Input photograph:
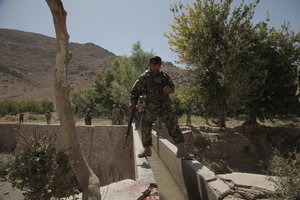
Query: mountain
[{"x": 27, "y": 61}]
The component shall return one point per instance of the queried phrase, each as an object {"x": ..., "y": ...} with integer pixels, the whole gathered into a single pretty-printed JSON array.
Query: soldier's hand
[{"x": 167, "y": 90}]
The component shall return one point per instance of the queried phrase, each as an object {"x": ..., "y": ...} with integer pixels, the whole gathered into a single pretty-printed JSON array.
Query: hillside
[{"x": 27, "y": 60}]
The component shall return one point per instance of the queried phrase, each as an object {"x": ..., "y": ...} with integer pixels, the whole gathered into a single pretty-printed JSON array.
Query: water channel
[{"x": 167, "y": 187}]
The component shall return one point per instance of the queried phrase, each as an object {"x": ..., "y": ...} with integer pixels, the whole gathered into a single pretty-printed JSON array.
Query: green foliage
[
  {"x": 114, "y": 85},
  {"x": 82, "y": 100},
  {"x": 47, "y": 106},
  {"x": 237, "y": 67},
  {"x": 13, "y": 107},
  {"x": 42, "y": 172},
  {"x": 185, "y": 99},
  {"x": 8, "y": 106},
  {"x": 288, "y": 171},
  {"x": 124, "y": 71},
  {"x": 271, "y": 81}
]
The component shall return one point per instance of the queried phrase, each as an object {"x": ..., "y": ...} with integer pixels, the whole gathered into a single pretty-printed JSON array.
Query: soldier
[
  {"x": 88, "y": 117},
  {"x": 21, "y": 118},
  {"x": 188, "y": 112},
  {"x": 114, "y": 115},
  {"x": 48, "y": 117},
  {"x": 156, "y": 86},
  {"x": 121, "y": 115}
]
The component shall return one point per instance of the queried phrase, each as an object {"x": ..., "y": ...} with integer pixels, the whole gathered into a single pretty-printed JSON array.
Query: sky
[{"x": 118, "y": 24}]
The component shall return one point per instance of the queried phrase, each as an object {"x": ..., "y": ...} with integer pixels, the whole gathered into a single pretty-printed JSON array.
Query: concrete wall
[
  {"x": 200, "y": 183},
  {"x": 101, "y": 145}
]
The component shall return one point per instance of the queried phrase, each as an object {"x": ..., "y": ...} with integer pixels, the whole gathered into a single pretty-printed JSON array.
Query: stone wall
[{"x": 101, "y": 145}]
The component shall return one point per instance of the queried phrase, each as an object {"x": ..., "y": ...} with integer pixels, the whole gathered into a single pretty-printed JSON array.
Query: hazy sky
[{"x": 117, "y": 24}]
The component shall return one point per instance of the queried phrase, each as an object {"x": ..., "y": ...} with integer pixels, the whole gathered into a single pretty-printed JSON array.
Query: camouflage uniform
[
  {"x": 21, "y": 118},
  {"x": 88, "y": 118},
  {"x": 114, "y": 115},
  {"x": 121, "y": 115},
  {"x": 48, "y": 117},
  {"x": 157, "y": 103}
]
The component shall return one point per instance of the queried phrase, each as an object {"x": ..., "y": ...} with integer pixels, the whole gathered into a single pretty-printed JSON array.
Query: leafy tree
[
  {"x": 209, "y": 39},
  {"x": 186, "y": 102},
  {"x": 8, "y": 107},
  {"x": 231, "y": 58},
  {"x": 82, "y": 100},
  {"x": 273, "y": 76},
  {"x": 47, "y": 106},
  {"x": 115, "y": 84},
  {"x": 125, "y": 70},
  {"x": 103, "y": 100}
]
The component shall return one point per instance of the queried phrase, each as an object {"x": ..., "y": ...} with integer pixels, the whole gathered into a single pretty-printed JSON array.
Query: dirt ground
[
  {"x": 243, "y": 148},
  {"x": 7, "y": 192}
]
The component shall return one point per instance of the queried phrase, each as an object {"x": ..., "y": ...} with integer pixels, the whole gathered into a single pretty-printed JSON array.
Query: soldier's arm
[{"x": 170, "y": 84}]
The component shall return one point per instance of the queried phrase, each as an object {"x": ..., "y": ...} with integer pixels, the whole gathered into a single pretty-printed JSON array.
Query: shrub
[
  {"x": 288, "y": 171},
  {"x": 42, "y": 172}
]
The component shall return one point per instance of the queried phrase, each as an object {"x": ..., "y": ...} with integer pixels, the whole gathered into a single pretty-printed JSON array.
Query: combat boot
[
  {"x": 182, "y": 152},
  {"x": 146, "y": 153}
]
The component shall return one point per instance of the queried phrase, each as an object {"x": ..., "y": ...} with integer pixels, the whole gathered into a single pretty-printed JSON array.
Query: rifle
[{"x": 131, "y": 116}]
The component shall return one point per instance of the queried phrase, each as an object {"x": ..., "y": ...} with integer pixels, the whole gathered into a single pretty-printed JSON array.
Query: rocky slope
[{"x": 27, "y": 60}]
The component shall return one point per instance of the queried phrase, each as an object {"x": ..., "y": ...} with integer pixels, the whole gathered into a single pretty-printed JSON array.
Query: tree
[
  {"x": 87, "y": 179},
  {"x": 82, "y": 100},
  {"x": 236, "y": 65},
  {"x": 209, "y": 38},
  {"x": 124, "y": 71},
  {"x": 115, "y": 84},
  {"x": 273, "y": 76},
  {"x": 47, "y": 106}
]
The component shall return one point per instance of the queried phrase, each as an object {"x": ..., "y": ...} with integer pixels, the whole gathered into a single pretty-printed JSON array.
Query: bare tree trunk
[
  {"x": 89, "y": 182},
  {"x": 222, "y": 107}
]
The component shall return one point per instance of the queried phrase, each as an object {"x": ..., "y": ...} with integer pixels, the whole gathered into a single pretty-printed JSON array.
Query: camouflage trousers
[{"x": 168, "y": 117}]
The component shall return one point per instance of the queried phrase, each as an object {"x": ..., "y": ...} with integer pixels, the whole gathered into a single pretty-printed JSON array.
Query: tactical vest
[{"x": 153, "y": 87}]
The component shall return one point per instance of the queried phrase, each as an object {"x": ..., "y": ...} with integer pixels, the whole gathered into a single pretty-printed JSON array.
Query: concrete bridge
[{"x": 124, "y": 175}]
